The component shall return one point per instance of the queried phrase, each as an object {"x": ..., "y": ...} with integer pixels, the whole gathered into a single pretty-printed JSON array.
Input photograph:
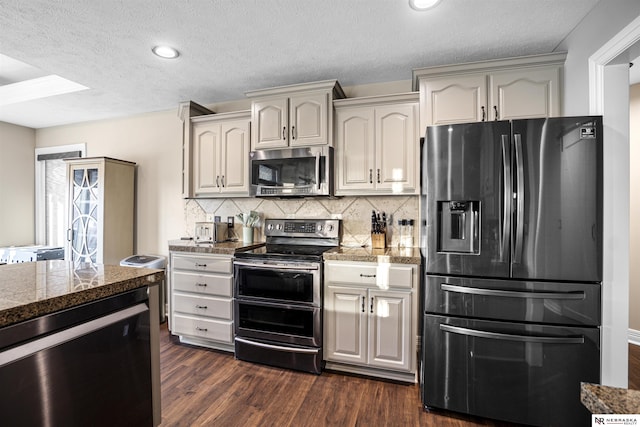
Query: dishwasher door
[
  {"x": 95, "y": 372},
  {"x": 523, "y": 373}
]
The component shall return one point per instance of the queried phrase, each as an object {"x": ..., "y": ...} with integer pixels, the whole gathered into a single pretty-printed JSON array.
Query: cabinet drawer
[
  {"x": 218, "y": 330},
  {"x": 202, "y": 263},
  {"x": 209, "y": 284},
  {"x": 379, "y": 275},
  {"x": 204, "y": 306}
]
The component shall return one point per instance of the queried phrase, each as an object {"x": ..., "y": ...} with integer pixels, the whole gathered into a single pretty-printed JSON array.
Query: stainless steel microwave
[{"x": 292, "y": 172}]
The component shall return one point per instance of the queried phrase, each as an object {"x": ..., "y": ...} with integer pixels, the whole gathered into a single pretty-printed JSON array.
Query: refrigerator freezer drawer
[
  {"x": 527, "y": 374},
  {"x": 518, "y": 301}
]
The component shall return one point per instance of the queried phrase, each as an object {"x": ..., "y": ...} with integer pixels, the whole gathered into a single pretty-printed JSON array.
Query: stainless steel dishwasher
[{"x": 88, "y": 365}]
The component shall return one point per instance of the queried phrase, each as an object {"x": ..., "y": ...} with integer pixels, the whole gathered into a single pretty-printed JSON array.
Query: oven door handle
[
  {"x": 279, "y": 348},
  {"x": 278, "y": 266}
]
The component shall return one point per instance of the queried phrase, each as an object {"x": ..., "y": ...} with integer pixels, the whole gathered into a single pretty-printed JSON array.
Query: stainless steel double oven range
[{"x": 278, "y": 294}]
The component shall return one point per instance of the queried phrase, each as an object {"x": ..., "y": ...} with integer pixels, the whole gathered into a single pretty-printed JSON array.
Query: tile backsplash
[{"x": 355, "y": 213}]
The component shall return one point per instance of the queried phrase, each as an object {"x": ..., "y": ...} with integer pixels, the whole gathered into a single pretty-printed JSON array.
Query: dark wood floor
[{"x": 210, "y": 388}]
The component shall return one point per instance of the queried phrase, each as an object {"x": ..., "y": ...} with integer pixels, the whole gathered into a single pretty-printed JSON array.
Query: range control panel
[{"x": 323, "y": 228}]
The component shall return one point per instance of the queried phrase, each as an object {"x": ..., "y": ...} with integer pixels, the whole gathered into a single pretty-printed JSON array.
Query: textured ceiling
[{"x": 231, "y": 46}]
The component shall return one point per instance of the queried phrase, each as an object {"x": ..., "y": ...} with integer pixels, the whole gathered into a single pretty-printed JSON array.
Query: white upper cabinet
[
  {"x": 377, "y": 145},
  {"x": 505, "y": 89},
  {"x": 220, "y": 155},
  {"x": 293, "y": 116}
]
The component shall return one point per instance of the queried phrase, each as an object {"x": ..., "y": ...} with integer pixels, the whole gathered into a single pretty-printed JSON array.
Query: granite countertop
[
  {"x": 600, "y": 399},
  {"x": 33, "y": 289},
  {"x": 225, "y": 248},
  {"x": 367, "y": 254}
]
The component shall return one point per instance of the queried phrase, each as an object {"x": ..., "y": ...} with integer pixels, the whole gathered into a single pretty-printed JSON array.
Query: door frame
[{"x": 609, "y": 97}]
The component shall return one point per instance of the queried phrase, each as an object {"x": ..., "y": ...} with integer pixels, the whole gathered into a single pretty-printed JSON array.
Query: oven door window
[
  {"x": 283, "y": 285},
  {"x": 275, "y": 319}
]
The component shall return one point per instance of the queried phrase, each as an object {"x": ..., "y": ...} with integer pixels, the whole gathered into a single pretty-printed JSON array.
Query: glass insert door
[{"x": 85, "y": 199}]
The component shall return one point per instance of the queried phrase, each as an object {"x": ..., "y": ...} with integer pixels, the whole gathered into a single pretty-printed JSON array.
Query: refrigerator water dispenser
[{"x": 458, "y": 228}]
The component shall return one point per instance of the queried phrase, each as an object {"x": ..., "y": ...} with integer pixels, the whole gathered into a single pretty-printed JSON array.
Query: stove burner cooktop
[{"x": 292, "y": 252}]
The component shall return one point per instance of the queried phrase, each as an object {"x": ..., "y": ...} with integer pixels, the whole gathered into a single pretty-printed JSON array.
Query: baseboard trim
[{"x": 634, "y": 337}]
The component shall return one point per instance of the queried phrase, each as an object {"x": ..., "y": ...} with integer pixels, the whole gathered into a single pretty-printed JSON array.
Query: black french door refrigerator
[{"x": 512, "y": 247}]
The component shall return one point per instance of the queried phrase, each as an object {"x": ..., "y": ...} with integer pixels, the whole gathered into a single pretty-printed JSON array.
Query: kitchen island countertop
[
  {"x": 600, "y": 399},
  {"x": 32, "y": 289},
  {"x": 367, "y": 254}
]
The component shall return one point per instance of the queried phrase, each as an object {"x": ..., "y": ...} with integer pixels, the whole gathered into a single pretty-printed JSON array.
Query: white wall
[
  {"x": 604, "y": 23},
  {"x": 154, "y": 142},
  {"x": 606, "y": 19},
  {"x": 634, "y": 201},
  {"x": 17, "y": 145}
]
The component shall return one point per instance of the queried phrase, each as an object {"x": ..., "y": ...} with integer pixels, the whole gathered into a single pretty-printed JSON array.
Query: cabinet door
[
  {"x": 269, "y": 123},
  {"x": 234, "y": 157},
  {"x": 390, "y": 329},
  {"x": 345, "y": 324},
  {"x": 86, "y": 200},
  {"x": 457, "y": 99},
  {"x": 520, "y": 94},
  {"x": 308, "y": 119},
  {"x": 396, "y": 148},
  {"x": 206, "y": 142},
  {"x": 355, "y": 152}
]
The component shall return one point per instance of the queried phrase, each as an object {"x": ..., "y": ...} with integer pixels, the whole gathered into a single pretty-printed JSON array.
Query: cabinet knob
[
  {"x": 495, "y": 109},
  {"x": 293, "y": 132},
  {"x": 363, "y": 304},
  {"x": 222, "y": 180},
  {"x": 218, "y": 181},
  {"x": 371, "y": 305},
  {"x": 202, "y": 307},
  {"x": 284, "y": 133},
  {"x": 378, "y": 176},
  {"x": 484, "y": 114},
  {"x": 201, "y": 285},
  {"x": 370, "y": 176}
]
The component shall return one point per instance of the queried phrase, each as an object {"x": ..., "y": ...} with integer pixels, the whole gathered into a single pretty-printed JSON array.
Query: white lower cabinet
[
  {"x": 201, "y": 303},
  {"x": 370, "y": 319}
]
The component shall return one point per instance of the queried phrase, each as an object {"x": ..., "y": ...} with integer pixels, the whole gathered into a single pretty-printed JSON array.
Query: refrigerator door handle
[
  {"x": 507, "y": 197},
  {"x": 513, "y": 294},
  {"x": 519, "y": 237},
  {"x": 511, "y": 337}
]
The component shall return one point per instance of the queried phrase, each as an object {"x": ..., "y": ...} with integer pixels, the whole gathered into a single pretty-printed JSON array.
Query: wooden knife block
[{"x": 379, "y": 240}]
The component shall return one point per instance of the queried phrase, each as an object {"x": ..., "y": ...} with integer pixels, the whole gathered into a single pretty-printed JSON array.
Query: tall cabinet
[{"x": 100, "y": 210}]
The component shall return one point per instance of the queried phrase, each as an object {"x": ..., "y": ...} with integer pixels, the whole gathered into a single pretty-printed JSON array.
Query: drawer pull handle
[
  {"x": 202, "y": 285},
  {"x": 573, "y": 295},
  {"x": 544, "y": 339},
  {"x": 203, "y": 307},
  {"x": 367, "y": 275},
  {"x": 201, "y": 265},
  {"x": 198, "y": 328}
]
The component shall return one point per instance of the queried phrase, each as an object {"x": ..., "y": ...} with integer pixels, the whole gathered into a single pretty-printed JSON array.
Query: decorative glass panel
[{"x": 86, "y": 195}]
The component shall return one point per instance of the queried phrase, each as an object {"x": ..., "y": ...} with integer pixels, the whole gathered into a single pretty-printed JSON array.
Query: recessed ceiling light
[
  {"x": 166, "y": 52},
  {"x": 421, "y": 5}
]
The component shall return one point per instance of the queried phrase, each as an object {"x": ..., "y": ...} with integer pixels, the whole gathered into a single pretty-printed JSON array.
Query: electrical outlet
[
  {"x": 209, "y": 217},
  {"x": 229, "y": 222}
]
